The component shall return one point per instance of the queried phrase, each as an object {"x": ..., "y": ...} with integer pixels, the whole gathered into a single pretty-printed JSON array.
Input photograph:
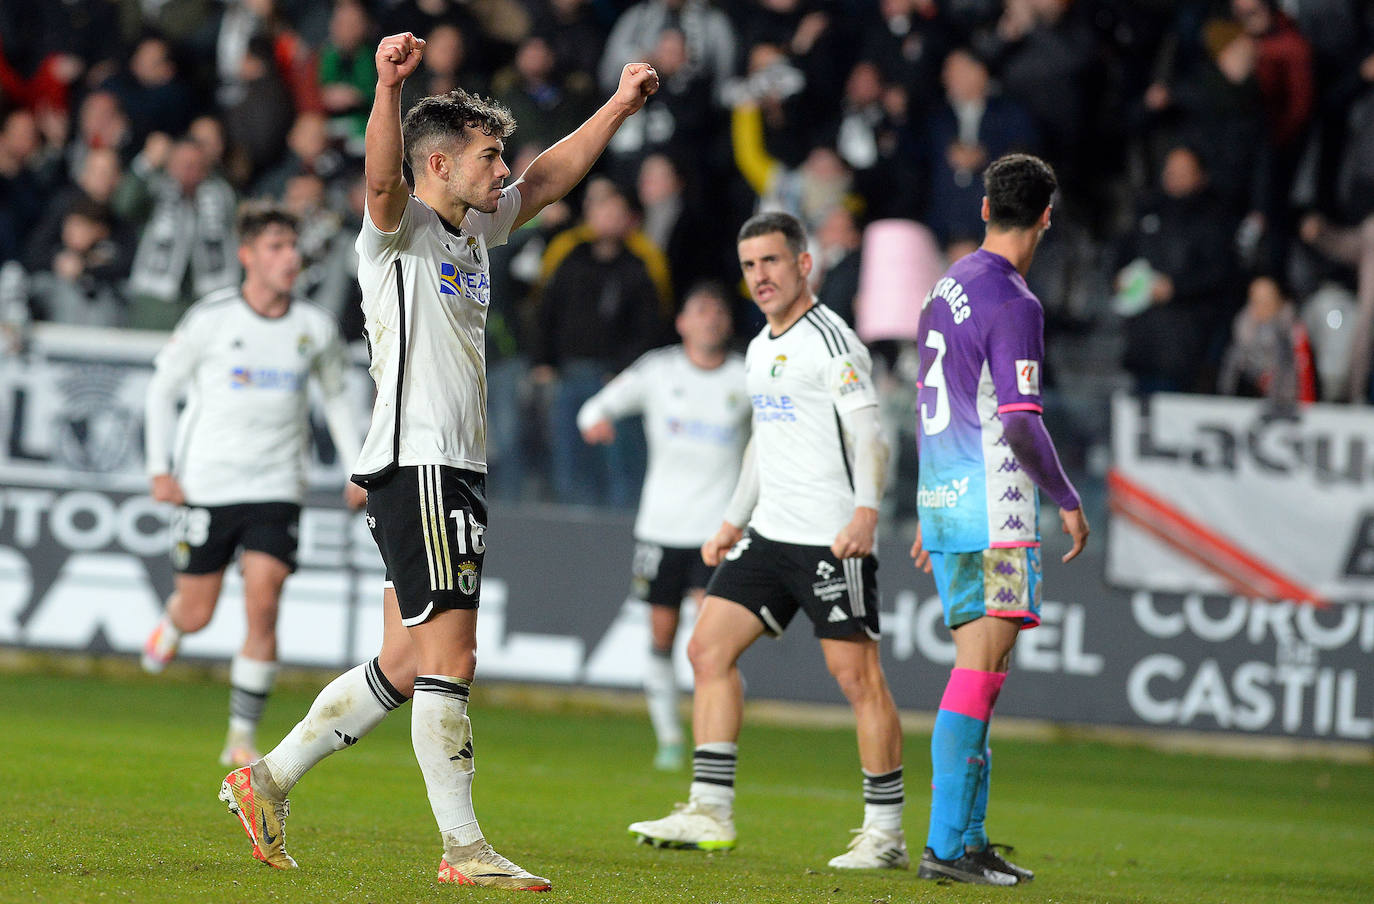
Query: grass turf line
[{"x": 110, "y": 796}]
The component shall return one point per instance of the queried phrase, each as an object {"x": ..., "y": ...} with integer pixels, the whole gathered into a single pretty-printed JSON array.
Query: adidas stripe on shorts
[
  {"x": 1004, "y": 582},
  {"x": 430, "y": 521},
  {"x": 774, "y": 580}
]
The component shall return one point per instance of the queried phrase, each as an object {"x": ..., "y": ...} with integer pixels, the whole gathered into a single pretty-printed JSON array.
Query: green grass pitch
[{"x": 110, "y": 781}]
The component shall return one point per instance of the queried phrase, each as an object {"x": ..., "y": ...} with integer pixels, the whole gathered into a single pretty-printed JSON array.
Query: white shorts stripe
[
  {"x": 419, "y": 619},
  {"x": 426, "y": 529},
  {"x": 854, "y": 579},
  {"x": 446, "y": 564}
]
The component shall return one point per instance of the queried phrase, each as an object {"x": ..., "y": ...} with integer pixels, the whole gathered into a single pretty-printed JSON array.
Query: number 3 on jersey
[{"x": 934, "y": 380}]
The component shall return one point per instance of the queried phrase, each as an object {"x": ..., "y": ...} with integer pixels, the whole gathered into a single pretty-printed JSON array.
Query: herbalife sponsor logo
[{"x": 942, "y": 495}]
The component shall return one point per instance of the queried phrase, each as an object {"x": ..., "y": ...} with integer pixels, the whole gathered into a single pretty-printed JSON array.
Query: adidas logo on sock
[
  {"x": 465, "y": 753},
  {"x": 837, "y": 614},
  {"x": 348, "y": 740}
]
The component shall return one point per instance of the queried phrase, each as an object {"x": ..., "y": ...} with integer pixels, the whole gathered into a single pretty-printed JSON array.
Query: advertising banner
[
  {"x": 84, "y": 567},
  {"x": 1227, "y": 495}
]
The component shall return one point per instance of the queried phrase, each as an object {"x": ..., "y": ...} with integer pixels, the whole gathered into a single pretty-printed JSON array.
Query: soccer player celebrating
[
  {"x": 423, "y": 268},
  {"x": 244, "y": 356},
  {"x": 984, "y": 449},
  {"x": 696, "y": 420},
  {"x": 808, "y": 494}
]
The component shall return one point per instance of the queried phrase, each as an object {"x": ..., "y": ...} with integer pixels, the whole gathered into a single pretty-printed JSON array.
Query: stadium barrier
[{"x": 83, "y": 568}]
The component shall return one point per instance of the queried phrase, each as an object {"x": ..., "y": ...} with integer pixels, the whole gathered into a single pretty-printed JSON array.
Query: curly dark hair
[
  {"x": 1019, "y": 188},
  {"x": 255, "y": 217},
  {"x": 447, "y": 117},
  {"x": 776, "y": 221}
]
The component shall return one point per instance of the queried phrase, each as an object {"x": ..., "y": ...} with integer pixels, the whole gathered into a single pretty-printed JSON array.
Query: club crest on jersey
[
  {"x": 778, "y": 363},
  {"x": 303, "y": 345},
  {"x": 467, "y": 577}
]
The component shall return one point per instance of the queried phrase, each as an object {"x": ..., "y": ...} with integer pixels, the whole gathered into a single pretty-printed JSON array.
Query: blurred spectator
[
  {"x": 873, "y": 120},
  {"x": 1186, "y": 239},
  {"x": 708, "y": 38},
  {"x": 1353, "y": 247},
  {"x": 1216, "y": 108},
  {"x": 682, "y": 115},
  {"x": 601, "y": 308},
  {"x": 187, "y": 248},
  {"x": 179, "y": 20},
  {"x": 256, "y": 127},
  {"x": 29, "y": 173},
  {"x": 446, "y": 65},
  {"x": 838, "y": 246},
  {"x": 348, "y": 72},
  {"x": 572, "y": 28},
  {"x": 677, "y": 225},
  {"x": 808, "y": 192},
  {"x": 907, "y": 40},
  {"x": 79, "y": 284},
  {"x": 1270, "y": 356},
  {"x": 970, "y": 129},
  {"x": 150, "y": 91},
  {"x": 95, "y": 185},
  {"x": 547, "y": 104},
  {"x": 309, "y": 151},
  {"x": 1283, "y": 71},
  {"x": 100, "y": 124},
  {"x": 305, "y": 197},
  {"x": 293, "y": 59},
  {"x": 1044, "y": 53},
  {"x": 337, "y": 289},
  {"x": 1355, "y": 177}
]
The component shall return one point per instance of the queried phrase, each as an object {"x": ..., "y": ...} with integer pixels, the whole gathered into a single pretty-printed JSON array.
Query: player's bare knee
[{"x": 708, "y": 660}]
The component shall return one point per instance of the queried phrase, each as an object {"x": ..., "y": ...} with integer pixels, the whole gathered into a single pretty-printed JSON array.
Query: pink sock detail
[{"x": 972, "y": 693}]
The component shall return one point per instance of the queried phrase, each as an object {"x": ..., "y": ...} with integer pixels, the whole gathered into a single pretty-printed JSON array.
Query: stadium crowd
[{"x": 1216, "y": 161}]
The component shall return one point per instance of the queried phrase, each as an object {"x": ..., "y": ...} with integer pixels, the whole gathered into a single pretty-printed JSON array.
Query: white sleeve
[
  {"x": 621, "y": 397},
  {"x": 377, "y": 246},
  {"x": 331, "y": 371},
  {"x": 863, "y": 428},
  {"x": 173, "y": 368},
  {"x": 849, "y": 380},
  {"x": 746, "y": 495}
]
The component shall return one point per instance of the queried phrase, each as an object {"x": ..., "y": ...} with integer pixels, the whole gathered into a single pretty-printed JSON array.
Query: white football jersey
[
  {"x": 244, "y": 434},
  {"x": 799, "y": 384},
  {"x": 425, "y": 297},
  {"x": 696, "y": 423}
]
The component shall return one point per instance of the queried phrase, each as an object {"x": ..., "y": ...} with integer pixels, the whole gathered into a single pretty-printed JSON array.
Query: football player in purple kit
[{"x": 983, "y": 450}]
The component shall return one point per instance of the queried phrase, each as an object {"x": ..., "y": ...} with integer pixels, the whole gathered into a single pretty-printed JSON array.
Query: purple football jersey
[{"x": 982, "y": 343}]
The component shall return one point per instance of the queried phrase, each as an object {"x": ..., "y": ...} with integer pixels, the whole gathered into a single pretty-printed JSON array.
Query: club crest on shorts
[
  {"x": 181, "y": 555},
  {"x": 467, "y": 577}
]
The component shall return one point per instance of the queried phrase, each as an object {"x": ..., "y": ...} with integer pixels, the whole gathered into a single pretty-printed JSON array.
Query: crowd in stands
[{"x": 1216, "y": 159}]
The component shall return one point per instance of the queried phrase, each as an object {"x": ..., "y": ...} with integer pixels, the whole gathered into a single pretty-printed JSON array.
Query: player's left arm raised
[{"x": 554, "y": 173}]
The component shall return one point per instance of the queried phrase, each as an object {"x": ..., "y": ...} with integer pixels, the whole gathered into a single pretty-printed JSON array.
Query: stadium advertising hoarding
[{"x": 83, "y": 567}]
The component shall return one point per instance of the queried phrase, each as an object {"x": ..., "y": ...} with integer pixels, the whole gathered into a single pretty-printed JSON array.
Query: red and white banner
[{"x": 1220, "y": 495}]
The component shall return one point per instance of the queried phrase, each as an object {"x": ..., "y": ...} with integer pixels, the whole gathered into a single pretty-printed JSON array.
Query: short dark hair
[
  {"x": 1019, "y": 187},
  {"x": 776, "y": 221},
  {"x": 256, "y": 217},
  {"x": 448, "y": 116}
]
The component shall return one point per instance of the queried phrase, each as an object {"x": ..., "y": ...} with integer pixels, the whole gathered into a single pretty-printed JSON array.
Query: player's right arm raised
[{"x": 397, "y": 56}]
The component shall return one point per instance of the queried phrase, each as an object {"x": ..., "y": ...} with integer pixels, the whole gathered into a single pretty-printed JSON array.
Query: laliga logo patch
[
  {"x": 849, "y": 380},
  {"x": 467, "y": 577},
  {"x": 778, "y": 363}
]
